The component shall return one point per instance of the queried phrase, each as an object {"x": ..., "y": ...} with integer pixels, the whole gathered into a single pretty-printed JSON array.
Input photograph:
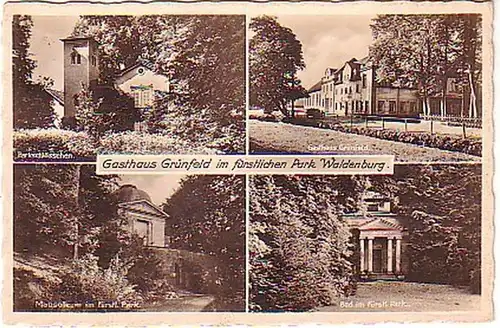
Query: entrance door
[
  {"x": 377, "y": 261},
  {"x": 142, "y": 229}
]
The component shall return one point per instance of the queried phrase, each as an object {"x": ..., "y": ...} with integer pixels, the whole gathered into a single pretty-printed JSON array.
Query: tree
[
  {"x": 32, "y": 106},
  {"x": 214, "y": 224},
  {"x": 424, "y": 51},
  {"x": 275, "y": 57},
  {"x": 300, "y": 251}
]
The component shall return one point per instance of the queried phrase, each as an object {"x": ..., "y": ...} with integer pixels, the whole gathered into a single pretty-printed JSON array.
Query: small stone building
[
  {"x": 382, "y": 239},
  {"x": 184, "y": 269}
]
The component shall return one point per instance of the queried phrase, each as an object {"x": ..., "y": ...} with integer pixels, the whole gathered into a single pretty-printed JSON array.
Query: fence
[{"x": 469, "y": 122}]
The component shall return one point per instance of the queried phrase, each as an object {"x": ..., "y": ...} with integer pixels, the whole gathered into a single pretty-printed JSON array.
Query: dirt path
[
  {"x": 191, "y": 303},
  {"x": 267, "y": 137},
  {"x": 406, "y": 297}
]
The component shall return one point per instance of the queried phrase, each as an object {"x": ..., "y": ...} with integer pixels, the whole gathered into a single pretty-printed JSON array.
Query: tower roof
[{"x": 129, "y": 193}]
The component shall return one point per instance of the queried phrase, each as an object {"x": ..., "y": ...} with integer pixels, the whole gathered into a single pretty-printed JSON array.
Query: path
[
  {"x": 185, "y": 303},
  {"x": 406, "y": 297},
  {"x": 268, "y": 137}
]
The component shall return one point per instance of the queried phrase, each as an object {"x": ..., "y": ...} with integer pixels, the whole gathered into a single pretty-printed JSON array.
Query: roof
[
  {"x": 129, "y": 193},
  {"x": 315, "y": 87},
  {"x": 57, "y": 95},
  {"x": 140, "y": 62},
  {"x": 78, "y": 38}
]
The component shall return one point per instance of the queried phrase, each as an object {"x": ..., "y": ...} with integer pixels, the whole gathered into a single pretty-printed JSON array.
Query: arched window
[{"x": 76, "y": 58}]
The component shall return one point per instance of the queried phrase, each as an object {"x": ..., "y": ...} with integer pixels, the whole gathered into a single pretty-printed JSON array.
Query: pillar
[
  {"x": 370, "y": 254},
  {"x": 389, "y": 255},
  {"x": 398, "y": 255},
  {"x": 361, "y": 255}
]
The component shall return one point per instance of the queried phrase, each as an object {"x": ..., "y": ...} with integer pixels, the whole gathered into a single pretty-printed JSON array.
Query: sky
[
  {"x": 328, "y": 41},
  {"x": 46, "y": 47},
  {"x": 159, "y": 187}
]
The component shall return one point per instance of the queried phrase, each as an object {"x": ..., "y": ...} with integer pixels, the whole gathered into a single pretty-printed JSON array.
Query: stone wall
[{"x": 189, "y": 271}]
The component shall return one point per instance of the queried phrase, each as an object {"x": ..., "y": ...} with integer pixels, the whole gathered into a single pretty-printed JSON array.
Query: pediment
[
  {"x": 143, "y": 207},
  {"x": 381, "y": 224}
]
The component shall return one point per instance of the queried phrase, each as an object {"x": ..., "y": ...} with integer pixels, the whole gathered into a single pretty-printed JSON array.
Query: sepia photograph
[
  {"x": 408, "y": 85},
  {"x": 105, "y": 84},
  {"x": 101, "y": 243},
  {"x": 408, "y": 242}
]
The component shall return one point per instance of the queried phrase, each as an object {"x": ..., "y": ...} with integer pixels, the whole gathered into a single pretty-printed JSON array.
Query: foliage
[
  {"x": 85, "y": 281},
  {"x": 451, "y": 143},
  {"x": 32, "y": 105},
  {"x": 53, "y": 141},
  {"x": 424, "y": 51},
  {"x": 275, "y": 56},
  {"x": 213, "y": 224},
  {"x": 444, "y": 203},
  {"x": 132, "y": 142},
  {"x": 45, "y": 207},
  {"x": 299, "y": 243}
]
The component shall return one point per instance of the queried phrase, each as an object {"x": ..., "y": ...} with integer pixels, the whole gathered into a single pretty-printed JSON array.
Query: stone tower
[{"x": 81, "y": 69}]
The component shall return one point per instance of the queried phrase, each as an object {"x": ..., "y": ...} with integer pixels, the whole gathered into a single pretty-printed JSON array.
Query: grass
[
  {"x": 406, "y": 297},
  {"x": 268, "y": 137}
]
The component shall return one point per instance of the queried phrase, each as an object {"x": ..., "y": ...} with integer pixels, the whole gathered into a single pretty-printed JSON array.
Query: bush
[
  {"x": 85, "y": 281},
  {"x": 133, "y": 142},
  {"x": 451, "y": 143},
  {"x": 54, "y": 141}
]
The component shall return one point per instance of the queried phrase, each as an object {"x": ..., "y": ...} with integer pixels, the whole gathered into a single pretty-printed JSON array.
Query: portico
[{"x": 380, "y": 253}]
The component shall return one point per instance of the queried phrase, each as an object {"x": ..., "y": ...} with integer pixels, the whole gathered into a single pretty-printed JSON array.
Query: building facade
[
  {"x": 381, "y": 240},
  {"x": 353, "y": 89}
]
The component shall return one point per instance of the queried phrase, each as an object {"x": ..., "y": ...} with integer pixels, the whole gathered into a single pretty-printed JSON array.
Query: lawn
[
  {"x": 269, "y": 137},
  {"x": 406, "y": 297}
]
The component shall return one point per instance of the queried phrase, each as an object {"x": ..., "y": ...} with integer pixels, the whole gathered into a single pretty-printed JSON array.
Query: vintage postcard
[{"x": 247, "y": 163}]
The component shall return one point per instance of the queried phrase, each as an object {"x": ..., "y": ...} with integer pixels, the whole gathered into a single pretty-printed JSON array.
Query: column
[
  {"x": 389, "y": 255},
  {"x": 398, "y": 254},
  {"x": 361, "y": 255},
  {"x": 370, "y": 254}
]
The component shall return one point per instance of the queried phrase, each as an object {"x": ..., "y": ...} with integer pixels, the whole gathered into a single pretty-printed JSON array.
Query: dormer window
[{"x": 76, "y": 58}]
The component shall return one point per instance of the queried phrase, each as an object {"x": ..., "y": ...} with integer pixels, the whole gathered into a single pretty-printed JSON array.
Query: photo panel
[
  {"x": 106, "y": 243},
  {"x": 395, "y": 243},
  {"x": 127, "y": 84},
  {"x": 408, "y": 85}
]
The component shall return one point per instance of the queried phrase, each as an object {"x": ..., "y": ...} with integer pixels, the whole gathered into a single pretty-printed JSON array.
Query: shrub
[
  {"x": 76, "y": 144},
  {"x": 444, "y": 142},
  {"x": 85, "y": 281},
  {"x": 133, "y": 142}
]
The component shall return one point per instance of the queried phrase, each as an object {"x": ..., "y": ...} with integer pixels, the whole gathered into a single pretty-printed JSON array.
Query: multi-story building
[{"x": 353, "y": 89}]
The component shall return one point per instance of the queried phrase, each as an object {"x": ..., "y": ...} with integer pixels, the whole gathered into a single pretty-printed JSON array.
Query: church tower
[{"x": 81, "y": 70}]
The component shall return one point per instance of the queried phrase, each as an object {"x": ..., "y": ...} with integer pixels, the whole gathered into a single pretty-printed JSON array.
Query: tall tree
[
  {"x": 425, "y": 51},
  {"x": 32, "y": 105},
  {"x": 300, "y": 252},
  {"x": 207, "y": 215},
  {"x": 275, "y": 57}
]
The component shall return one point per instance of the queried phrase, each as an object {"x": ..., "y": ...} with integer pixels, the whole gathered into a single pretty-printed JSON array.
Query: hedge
[
  {"x": 60, "y": 145},
  {"x": 444, "y": 142},
  {"x": 46, "y": 144}
]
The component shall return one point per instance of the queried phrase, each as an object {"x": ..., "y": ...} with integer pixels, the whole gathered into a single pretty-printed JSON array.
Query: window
[
  {"x": 413, "y": 107},
  {"x": 380, "y": 106},
  {"x": 364, "y": 81},
  {"x": 392, "y": 106},
  {"x": 366, "y": 106},
  {"x": 357, "y": 88},
  {"x": 93, "y": 60},
  {"x": 372, "y": 207},
  {"x": 76, "y": 58},
  {"x": 143, "y": 95},
  {"x": 75, "y": 100}
]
